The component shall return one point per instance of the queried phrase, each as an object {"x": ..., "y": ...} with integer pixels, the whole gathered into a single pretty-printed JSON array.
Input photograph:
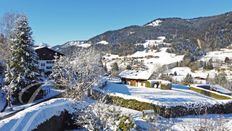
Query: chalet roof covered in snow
[
  {"x": 133, "y": 74},
  {"x": 46, "y": 53}
]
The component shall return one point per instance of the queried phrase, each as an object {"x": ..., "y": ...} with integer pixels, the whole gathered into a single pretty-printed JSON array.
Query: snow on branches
[{"x": 78, "y": 72}]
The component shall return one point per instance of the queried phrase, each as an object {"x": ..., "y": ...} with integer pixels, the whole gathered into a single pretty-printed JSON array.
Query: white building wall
[{"x": 46, "y": 65}]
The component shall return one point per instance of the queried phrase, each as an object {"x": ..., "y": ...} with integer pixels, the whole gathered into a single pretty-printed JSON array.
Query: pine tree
[
  {"x": 23, "y": 68},
  {"x": 188, "y": 79},
  {"x": 114, "y": 69}
]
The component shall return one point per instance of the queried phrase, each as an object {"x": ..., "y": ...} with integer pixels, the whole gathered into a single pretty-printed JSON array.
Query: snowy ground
[
  {"x": 181, "y": 73},
  {"x": 179, "y": 95},
  {"x": 218, "y": 55},
  {"x": 31, "y": 117},
  {"x": 212, "y": 122},
  {"x": 161, "y": 58},
  {"x": 51, "y": 93},
  {"x": 186, "y": 123}
]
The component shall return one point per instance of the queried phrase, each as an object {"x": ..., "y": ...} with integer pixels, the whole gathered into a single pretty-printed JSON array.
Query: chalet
[
  {"x": 46, "y": 58},
  {"x": 135, "y": 78}
]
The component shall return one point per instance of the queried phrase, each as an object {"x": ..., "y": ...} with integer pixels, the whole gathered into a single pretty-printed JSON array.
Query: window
[
  {"x": 42, "y": 64},
  {"x": 48, "y": 67},
  {"x": 50, "y": 62}
]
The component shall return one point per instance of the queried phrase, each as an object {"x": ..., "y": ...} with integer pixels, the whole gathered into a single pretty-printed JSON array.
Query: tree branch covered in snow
[
  {"x": 100, "y": 116},
  {"x": 79, "y": 72},
  {"x": 22, "y": 66}
]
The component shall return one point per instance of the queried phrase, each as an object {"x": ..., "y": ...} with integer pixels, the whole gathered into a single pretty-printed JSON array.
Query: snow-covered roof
[
  {"x": 133, "y": 74},
  {"x": 39, "y": 47}
]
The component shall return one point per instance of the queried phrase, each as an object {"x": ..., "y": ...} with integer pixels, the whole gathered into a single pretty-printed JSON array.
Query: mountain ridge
[{"x": 212, "y": 32}]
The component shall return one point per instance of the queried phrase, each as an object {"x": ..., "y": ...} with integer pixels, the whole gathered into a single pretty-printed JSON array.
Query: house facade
[{"x": 46, "y": 58}]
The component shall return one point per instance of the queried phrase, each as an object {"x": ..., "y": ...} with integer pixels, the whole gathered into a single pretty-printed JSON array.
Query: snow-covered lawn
[
  {"x": 179, "y": 95},
  {"x": 31, "y": 117}
]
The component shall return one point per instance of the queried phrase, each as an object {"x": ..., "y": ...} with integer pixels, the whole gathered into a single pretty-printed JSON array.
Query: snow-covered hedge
[
  {"x": 166, "y": 111},
  {"x": 209, "y": 93}
]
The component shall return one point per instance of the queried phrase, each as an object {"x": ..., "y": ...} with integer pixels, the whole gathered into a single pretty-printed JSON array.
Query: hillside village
[{"x": 100, "y": 85}]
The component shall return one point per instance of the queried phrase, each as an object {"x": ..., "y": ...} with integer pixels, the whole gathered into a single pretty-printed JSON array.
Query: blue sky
[{"x": 58, "y": 21}]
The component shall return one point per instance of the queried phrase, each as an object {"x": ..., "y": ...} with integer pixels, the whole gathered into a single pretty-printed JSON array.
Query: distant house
[
  {"x": 136, "y": 78},
  {"x": 46, "y": 58}
]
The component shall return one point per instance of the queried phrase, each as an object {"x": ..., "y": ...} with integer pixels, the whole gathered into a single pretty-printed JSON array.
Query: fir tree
[
  {"x": 188, "y": 79},
  {"x": 23, "y": 68},
  {"x": 114, "y": 69}
]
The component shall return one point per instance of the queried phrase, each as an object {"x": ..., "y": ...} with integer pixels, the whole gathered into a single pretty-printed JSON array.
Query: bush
[
  {"x": 166, "y": 86},
  {"x": 125, "y": 123},
  {"x": 148, "y": 84},
  {"x": 188, "y": 80},
  {"x": 166, "y": 111}
]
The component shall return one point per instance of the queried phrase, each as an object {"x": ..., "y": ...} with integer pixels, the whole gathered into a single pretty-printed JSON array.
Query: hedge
[
  {"x": 165, "y": 111},
  {"x": 209, "y": 93},
  {"x": 165, "y": 86},
  {"x": 148, "y": 84}
]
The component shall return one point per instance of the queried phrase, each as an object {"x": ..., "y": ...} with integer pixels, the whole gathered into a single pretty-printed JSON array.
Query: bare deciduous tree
[
  {"x": 7, "y": 23},
  {"x": 79, "y": 72}
]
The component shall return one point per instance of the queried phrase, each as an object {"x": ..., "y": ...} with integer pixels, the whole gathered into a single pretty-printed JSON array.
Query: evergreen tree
[
  {"x": 188, "y": 79},
  {"x": 23, "y": 65},
  {"x": 221, "y": 79},
  {"x": 114, "y": 69},
  {"x": 128, "y": 67}
]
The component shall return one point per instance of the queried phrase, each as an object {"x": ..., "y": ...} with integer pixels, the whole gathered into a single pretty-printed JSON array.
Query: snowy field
[
  {"x": 161, "y": 58},
  {"x": 218, "y": 55},
  {"x": 179, "y": 95}
]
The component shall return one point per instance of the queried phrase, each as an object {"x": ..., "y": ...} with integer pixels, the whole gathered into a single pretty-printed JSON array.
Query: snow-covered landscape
[
  {"x": 115, "y": 66},
  {"x": 179, "y": 95}
]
